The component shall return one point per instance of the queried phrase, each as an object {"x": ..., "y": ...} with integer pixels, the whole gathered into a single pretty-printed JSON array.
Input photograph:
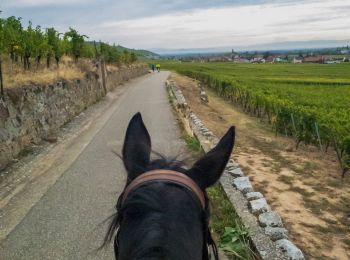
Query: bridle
[{"x": 182, "y": 180}]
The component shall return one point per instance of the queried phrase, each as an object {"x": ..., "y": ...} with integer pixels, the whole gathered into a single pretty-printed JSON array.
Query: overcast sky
[{"x": 178, "y": 24}]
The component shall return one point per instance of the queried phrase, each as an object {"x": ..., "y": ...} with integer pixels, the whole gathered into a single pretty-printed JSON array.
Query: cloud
[
  {"x": 41, "y": 3},
  {"x": 233, "y": 25},
  {"x": 190, "y": 23}
]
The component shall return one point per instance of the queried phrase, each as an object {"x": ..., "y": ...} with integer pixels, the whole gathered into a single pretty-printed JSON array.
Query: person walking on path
[
  {"x": 158, "y": 67},
  {"x": 153, "y": 68}
]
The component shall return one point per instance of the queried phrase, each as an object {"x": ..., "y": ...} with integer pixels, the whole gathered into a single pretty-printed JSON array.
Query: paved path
[{"x": 67, "y": 221}]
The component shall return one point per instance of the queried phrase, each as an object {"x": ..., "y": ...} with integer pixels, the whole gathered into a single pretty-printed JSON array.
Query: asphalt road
[{"x": 68, "y": 220}]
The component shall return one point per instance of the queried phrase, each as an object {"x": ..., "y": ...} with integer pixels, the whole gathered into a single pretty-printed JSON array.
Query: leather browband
[{"x": 165, "y": 175}]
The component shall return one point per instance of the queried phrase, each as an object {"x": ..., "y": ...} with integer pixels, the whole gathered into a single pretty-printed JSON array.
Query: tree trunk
[
  {"x": 28, "y": 62},
  {"x": 57, "y": 61},
  {"x": 38, "y": 58},
  {"x": 1, "y": 80},
  {"x": 12, "y": 56},
  {"x": 340, "y": 159},
  {"x": 48, "y": 61},
  {"x": 24, "y": 63},
  {"x": 327, "y": 146},
  {"x": 96, "y": 52},
  {"x": 103, "y": 72}
]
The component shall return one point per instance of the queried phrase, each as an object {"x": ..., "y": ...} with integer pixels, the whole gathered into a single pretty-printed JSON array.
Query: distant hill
[
  {"x": 140, "y": 53},
  {"x": 275, "y": 46}
]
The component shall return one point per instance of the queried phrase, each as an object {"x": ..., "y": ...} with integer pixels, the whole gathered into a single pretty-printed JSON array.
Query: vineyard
[
  {"x": 31, "y": 46},
  {"x": 309, "y": 102}
]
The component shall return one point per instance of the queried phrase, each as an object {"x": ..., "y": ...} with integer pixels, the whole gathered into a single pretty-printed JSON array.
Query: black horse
[{"x": 161, "y": 217}]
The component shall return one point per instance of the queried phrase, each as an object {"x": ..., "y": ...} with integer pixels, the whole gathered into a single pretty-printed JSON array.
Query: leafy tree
[
  {"x": 28, "y": 45},
  {"x": 88, "y": 51},
  {"x": 76, "y": 42},
  {"x": 2, "y": 50},
  {"x": 266, "y": 54},
  {"x": 41, "y": 46},
  {"x": 109, "y": 53},
  {"x": 12, "y": 35},
  {"x": 53, "y": 45},
  {"x": 133, "y": 57},
  {"x": 126, "y": 56},
  {"x": 2, "y": 36}
]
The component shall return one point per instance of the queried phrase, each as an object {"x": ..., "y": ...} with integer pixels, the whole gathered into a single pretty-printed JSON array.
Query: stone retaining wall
[
  {"x": 123, "y": 74},
  {"x": 266, "y": 229},
  {"x": 29, "y": 114}
]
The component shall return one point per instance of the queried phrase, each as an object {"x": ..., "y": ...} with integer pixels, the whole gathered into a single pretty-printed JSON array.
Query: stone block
[
  {"x": 290, "y": 249},
  {"x": 254, "y": 196},
  {"x": 243, "y": 184},
  {"x": 259, "y": 206},
  {"x": 271, "y": 219},
  {"x": 232, "y": 164},
  {"x": 236, "y": 172},
  {"x": 276, "y": 233}
]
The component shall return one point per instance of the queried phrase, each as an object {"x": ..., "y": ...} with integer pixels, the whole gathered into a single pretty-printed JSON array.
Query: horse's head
[{"x": 163, "y": 218}]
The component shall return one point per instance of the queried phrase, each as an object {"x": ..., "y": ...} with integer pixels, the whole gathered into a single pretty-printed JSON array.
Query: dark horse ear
[
  {"x": 137, "y": 147},
  {"x": 207, "y": 170}
]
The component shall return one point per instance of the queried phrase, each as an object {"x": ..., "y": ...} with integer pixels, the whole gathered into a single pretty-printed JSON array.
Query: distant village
[{"x": 326, "y": 57}]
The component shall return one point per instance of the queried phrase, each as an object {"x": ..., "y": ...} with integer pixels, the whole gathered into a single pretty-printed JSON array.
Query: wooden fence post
[{"x": 103, "y": 72}]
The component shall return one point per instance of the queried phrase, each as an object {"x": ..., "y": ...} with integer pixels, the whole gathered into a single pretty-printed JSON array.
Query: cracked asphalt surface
[{"x": 68, "y": 222}]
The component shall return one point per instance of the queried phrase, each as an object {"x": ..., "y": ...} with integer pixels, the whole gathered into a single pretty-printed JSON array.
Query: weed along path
[
  {"x": 304, "y": 186},
  {"x": 66, "y": 221}
]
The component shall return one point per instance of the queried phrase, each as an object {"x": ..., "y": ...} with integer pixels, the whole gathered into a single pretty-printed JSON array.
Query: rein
[{"x": 180, "y": 179}]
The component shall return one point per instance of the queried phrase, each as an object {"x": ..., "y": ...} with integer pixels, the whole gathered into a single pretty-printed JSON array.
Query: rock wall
[
  {"x": 31, "y": 113},
  {"x": 117, "y": 76}
]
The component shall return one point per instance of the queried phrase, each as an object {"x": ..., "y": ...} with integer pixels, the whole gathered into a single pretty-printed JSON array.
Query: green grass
[
  {"x": 286, "y": 179},
  {"x": 302, "y": 191},
  {"x": 193, "y": 144},
  {"x": 26, "y": 151},
  {"x": 311, "y": 86},
  {"x": 234, "y": 237},
  {"x": 296, "y": 99}
]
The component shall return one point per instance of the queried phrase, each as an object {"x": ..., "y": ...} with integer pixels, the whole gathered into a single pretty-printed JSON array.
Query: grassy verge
[
  {"x": 309, "y": 102},
  {"x": 231, "y": 235},
  {"x": 193, "y": 144}
]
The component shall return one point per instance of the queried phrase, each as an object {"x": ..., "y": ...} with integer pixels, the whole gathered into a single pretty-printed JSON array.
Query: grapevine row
[
  {"x": 28, "y": 45},
  {"x": 307, "y": 124}
]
